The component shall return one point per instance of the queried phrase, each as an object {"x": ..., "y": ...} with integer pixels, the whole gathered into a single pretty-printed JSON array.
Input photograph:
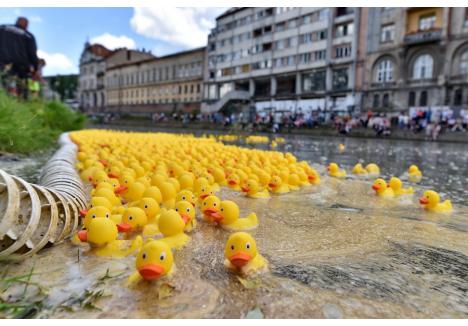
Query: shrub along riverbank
[{"x": 29, "y": 126}]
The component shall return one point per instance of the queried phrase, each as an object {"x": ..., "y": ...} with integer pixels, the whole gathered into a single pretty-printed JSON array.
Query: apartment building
[
  {"x": 94, "y": 61},
  {"x": 169, "y": 83},
  {"x": 283, "y": 58},
  {"x": 90, "y": 87},
  {"x": 416, "y": 57}
]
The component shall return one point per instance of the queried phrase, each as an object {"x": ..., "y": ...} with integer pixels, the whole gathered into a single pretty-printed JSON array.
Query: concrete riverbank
[{"x": 325, "y": 131}]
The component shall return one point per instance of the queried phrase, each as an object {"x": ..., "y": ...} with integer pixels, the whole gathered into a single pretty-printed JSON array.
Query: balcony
[{"x": 418, "y": 37}]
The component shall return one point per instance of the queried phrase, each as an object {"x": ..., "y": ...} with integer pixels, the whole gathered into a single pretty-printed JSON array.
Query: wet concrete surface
[{"x": 334, "y": 251}]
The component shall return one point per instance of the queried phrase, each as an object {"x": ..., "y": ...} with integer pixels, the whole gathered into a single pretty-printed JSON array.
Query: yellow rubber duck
[
  {"x": 335, "y": 171},
  {"x": 233, "y": 182},
  {"x": 431, "y": 202},
  {"x": 172, "y": 225},
  {"x": 153, "y": 192},
  {"x": 252, "y": 189},
  {"x": 397, "y": 186},
  {"x": 373, "y": 170},
  {"x": 150, "y": 207},
  {"x": 109, "y": 195},
  {"x": 205, "y": 191},
  {"x": 277, "y": 186},
  {"x": 186, "y": 195},
  {"x": 187, "y": 211},
  {"x": 133, "y": 192},
  {"x": 242, "y": 255},
  {"x": 358, "y": 169},
  {"x": 97, "y": 201},
  {"x": 168, "y": 193},
  {"x": 101, "y": 235},
  {"x": 209, "y": 208},
  {"x": 414, "y": 174},
  {"x": 382, "y": 189},
  {"x": 134, "y": 219},
  {"x": 227, "y": 216},
  {"x": 186, "y": 181},
  {"x": 154, "y": 261}
]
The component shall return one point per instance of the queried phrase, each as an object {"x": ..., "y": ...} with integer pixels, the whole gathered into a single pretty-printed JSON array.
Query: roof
[
  {"x": 230, "y": 11},
  {"x": 131, "y": 50},
  {"x": 98, "y": 50},
  {"x": 157, "y": 58}
]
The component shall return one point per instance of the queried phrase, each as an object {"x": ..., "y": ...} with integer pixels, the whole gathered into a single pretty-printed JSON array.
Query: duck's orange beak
[
  {"x": 423, "y": 201},
  {"x": 245, "y": 189},
  {"x": 124, "y": 227},
  {"x": 240, "y": 259},
  {"x": 104, "y": 162},
  {"x": 83, "y": 235},
  {"x": 213, "y": 213},
  {"x": 203, "y": 196},
  {"x": 120, "y": 189},
  {"x": 193, "y": 204},
  {"x": 112, "y": 175},
  {"x": 151, "y": 271},
  {"x": 328, "y": 168},
  {"x": 375, "y": 187},
  {"x": 311, "y": 177},
  {"x": 272, "y": 185},
  {"x": 90, "y": 178},
  {"x": 232, "y": 182},
  {"x": 83, "y": 212},
  {"x": 185, "y": 217}
]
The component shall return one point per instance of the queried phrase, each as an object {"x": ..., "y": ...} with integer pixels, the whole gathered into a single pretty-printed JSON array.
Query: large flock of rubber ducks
[{"x": 149, "y": 188}]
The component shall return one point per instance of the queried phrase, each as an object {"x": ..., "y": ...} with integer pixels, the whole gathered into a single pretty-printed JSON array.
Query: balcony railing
[{"x": 423, "y": 36}]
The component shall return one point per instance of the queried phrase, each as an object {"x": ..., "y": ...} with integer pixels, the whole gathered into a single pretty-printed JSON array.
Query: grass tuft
[{"x": 30, "y": 126}]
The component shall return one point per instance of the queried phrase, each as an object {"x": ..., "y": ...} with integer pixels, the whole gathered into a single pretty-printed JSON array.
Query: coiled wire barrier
[{"x": 33, "y": 216}]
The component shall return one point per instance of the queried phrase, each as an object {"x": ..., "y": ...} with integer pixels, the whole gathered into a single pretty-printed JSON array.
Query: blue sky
[{"x": 61, "y": 32}]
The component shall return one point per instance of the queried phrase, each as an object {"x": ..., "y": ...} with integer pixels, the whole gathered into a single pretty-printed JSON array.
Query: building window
[
  {"x": 387, "y": 33},
  {"x": 464, "y": 63},
  {"x": 320, "y": 55},
  {"x": 342, "y": 11},
  {"x": 427, "y": 22},
  {"x": 314, "y": 81},
  {"x": 423, "y": 98},
  {"x": 385, "y": 100},
  {"x": 376, "y": 102},
  {"x": 384, "y": 71},
  {"x": 423, "y": 66},
  {"x": 344, "y": 30},
  {"x": 340, "y": 79},
  {"x": 458, "y": 97},
  {"x": 343, "y": 51},
  {"x": 411, "y": 99}
]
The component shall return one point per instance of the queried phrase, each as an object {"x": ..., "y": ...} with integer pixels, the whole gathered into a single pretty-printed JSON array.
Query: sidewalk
[{"x": 397, "y": 134}]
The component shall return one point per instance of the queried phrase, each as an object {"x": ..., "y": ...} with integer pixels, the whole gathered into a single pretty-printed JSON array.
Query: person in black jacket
[{"x": 18, "y": 53}]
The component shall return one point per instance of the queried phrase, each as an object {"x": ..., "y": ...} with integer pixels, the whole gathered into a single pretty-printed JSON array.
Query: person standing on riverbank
[{"x": 18, "y": 57}]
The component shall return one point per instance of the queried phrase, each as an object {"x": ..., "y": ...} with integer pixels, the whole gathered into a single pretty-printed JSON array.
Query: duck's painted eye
[
  {"x": 204, "y": 204},
  {"x": 247, "y": 245},
  {"x": 130, "y": 218},
  {"x": 93, "y": 216},
  {"x": 214, "y": 204},
  {"x": 146, "y": 206},
  {"x": 176, "y": 209},
  {"x": 143, "y": 256},
  {"x": 107, "y": 215},
  {"x": 211, "y": 192},
  {"x": 232, "y": 247},
  {"x": 91, "y": 206},
  {"x": 183, "y": 198},
  {"x": 162, "y": 256},
  {"x": 222, "y": 209},
  {"x": 188, "y": 210}
]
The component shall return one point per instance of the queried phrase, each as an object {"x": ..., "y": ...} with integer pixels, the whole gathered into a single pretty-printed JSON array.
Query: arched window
[
  {"x": 423, "y": 99},
  {"x": 384, "y": 71},
  {"x": 464, "y": 63},
  {"x": 423, "y": 66}
]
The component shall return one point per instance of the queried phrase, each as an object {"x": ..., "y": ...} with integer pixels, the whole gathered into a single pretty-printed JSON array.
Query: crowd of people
[
  {"x": 416, "y": 121},
  {"x": 20, "y": 68}
]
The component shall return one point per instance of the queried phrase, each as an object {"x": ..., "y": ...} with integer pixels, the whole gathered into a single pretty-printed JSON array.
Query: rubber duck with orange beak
[{"x": 242, "y": 256}]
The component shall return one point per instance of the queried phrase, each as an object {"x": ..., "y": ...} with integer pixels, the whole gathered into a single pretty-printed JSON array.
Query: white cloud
[
  {"x": 113, "y": 42},
  {"x": 188, "y": 27},
  {"x": 56, "y": 63}
]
